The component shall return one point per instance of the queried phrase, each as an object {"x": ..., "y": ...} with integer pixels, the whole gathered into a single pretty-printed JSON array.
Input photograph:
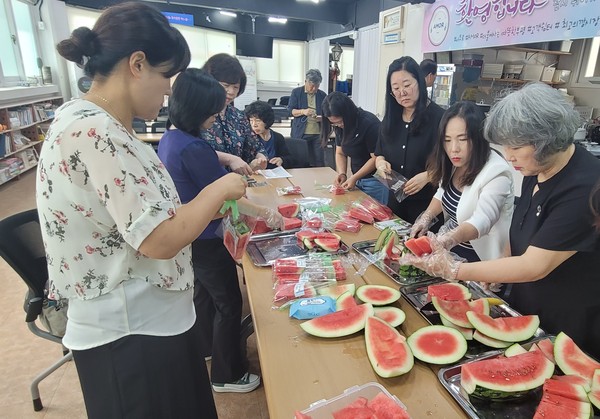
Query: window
[
  {"x": 590, "y": 62},
  {"x": 346, "y": 63},
  {"x": 287, "y": 64},
  {"x": 18, "y": 43}
]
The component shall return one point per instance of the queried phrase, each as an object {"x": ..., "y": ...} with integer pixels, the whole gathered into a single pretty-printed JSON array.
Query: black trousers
[
  {"x": 316, "y": 155},
  {"x": 141, "y": 376},
  {"x": 218, "y": 302}
]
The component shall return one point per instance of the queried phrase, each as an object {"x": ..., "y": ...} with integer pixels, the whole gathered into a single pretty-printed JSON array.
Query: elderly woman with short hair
[
  {"x": 552, "y": 267},
  {"x": 305, "y": 106}
]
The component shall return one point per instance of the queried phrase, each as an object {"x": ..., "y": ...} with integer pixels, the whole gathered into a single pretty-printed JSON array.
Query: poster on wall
[
  {"x": 250, "y": 94},
  {"x": 454, "y": 25}
]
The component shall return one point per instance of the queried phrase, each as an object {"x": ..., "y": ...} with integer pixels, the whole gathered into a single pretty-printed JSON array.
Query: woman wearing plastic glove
[
  {"x": 476, "y": 188},
  {"x": 230, "y": 135},
  {"x": 407, "y": 136},
  {"x": 194, "y": 165},
  {"x": 555, "y": 251},
  {"x": 356, "y": 132}
]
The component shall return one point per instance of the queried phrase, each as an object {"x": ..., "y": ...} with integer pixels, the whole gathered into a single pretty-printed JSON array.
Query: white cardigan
[{"x": 488, "y": 206}]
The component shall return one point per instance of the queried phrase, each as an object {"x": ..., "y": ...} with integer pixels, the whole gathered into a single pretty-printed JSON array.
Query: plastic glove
[
  {"x": 439, "y": 263},
  {"x": 422, "y": 224},
  {"x": 273, "y": 218}
]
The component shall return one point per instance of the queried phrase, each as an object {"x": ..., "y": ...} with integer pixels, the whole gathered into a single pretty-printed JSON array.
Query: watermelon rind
[
  {"x": 387, "y": 350},
  {"x": 433, "y": 335},
  {"x": 392, "y": 315},
  {"x": 491, "y": 342},
  {"x": 571, "y": 360},
  {"x": 339, "y": 323},
  {"x": 449, "y": 291},
  {"x": 378, "y": 295},
  {"x": 453, "y": 310},
  {"x": 575, "y": 379},
  {"x": 466, "y": 332},
  {"x": 329, "y": 245},
  {"x": 337, "y": 290},
  {"x": 514, "y": 349},
  {"x": 505, "y": 378},
  {"x": 565, "y": 389},
  {"x": 555, "y": 406},
  {"x": 594, "y": 397},
  {"x": 382, "y": 239},
  {"x": 508, "y": 329},
  {"x": 344, "y": 301}
]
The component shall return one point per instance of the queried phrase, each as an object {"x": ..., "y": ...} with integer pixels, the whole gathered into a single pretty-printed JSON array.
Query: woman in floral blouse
[
  {"x": 116, "y": 235},
  {"x": 231, "y": 135}
]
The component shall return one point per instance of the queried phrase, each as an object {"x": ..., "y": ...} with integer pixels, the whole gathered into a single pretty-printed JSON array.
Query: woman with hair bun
[{"x": 117, "y": 237}]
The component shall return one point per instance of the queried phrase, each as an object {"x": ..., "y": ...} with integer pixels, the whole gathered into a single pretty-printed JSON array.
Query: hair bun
[{"x": 85, "y": 40}]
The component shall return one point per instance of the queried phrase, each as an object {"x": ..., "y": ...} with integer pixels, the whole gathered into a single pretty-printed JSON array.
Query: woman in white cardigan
[{"x": 475, "y": 191}]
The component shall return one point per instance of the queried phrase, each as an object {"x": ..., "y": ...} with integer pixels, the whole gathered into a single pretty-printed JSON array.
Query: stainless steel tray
[
  {"x": 523, "y": 408},
  {"x": 264, "y": 249},
  {"x": 417, "y": 297},
  {"x": 390, "y": 268}
]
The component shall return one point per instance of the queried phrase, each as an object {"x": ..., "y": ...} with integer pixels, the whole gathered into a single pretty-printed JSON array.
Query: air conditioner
[{"x": 32, "y": 2}]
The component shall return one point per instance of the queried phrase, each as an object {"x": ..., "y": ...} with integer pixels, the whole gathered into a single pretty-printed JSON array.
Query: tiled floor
[{"x": 23, "y": 355}]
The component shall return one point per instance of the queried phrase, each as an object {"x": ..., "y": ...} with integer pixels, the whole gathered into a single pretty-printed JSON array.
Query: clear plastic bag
[
  {"x": 289, "y": 190},
  {"x": 236, "y": 234},
  {"x": 394, "y": 181}
]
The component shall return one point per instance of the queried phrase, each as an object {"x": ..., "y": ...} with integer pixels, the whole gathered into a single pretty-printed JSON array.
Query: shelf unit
[
  {"x": 24, "y": 130},
  {"x": 516, "y": 81},
  {"x": 541, "y": 51}
]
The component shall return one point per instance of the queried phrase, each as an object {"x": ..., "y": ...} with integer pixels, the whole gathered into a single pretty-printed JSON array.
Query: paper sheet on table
[{"x": 278, "y": 172}]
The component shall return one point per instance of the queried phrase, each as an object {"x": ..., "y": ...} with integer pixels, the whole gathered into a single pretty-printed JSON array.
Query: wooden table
[{"x": 299, "y": 369}]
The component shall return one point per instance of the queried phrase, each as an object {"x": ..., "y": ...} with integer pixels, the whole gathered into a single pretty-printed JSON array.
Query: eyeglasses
[
  {"x": 336, "y": 122},
  {"x": 400, "y": 90},
  {"x": 233, "y": 88}
]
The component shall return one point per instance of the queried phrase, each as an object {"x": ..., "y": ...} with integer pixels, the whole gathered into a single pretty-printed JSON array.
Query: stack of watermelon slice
[
  {"x": 318, "y": 241},
  {"x": 290, "y": 213}
]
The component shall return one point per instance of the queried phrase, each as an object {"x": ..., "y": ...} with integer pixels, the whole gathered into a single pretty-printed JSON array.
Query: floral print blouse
[
  {"x": 100, "y": 192},
  {"x": 231, "y": 133}
]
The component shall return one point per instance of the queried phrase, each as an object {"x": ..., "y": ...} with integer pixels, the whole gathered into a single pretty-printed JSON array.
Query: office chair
[
  {"x": 272, "y": 102},
  {"x": 299, "y": 152},
  {"x": 21, "y": 246},
  {"x": 284, "y": 100}
]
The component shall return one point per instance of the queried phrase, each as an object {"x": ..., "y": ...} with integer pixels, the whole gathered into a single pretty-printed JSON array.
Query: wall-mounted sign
[
  {"x": 464, "y": 24},
  {"x": 179, "y": 18},
  {"x": 392, "y": 21},
  {"x": 391, "y": 38}
]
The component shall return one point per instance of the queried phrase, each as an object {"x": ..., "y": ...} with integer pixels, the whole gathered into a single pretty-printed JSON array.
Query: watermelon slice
[
  {"x": 438, "y": 345},
  {"x": 508, "y": 329},
  {"x": 572, "y": 360},
  {"x": 344, "y": 301},
  {"x": 565, "y": 389},
  {"x": 574, "y": 379},
  {"x": 419, "y": 246},
  {"x": 261, "y": 227},
  {"x": 502, "y": 378},
  {"x": 554, "y": 406},
  {"x": 289, "y": 210},
  {"x": 340, "y": 323},
  {"x": 391, "y": 315},
  {"x": 466, "y": 332},
  {"x": 491, "y": 342},
  {"x": 456, "y": 311},
  {"x": 384, "y": 407},
  {"x": 361, "y": 215},
  {"x": 377, "y": 295},
  {"x": 449, "y": 291},
  {"x": 337, "y": 290},
  {"x": 347, "y": 224},
  {"x": 547, "y": 348},
  {"x": 314, "y": 222},
  {"x": 291, "y": 223},
  {"x": 387, "y": 350},
  {"x": 329, "y": 245},
  {"x": 514, "y": 349},
  {"x": 286, "y": 291},
  {"x": 383, "y": 238}
]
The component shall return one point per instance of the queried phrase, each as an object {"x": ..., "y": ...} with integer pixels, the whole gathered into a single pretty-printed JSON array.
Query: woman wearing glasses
[
  {"x": 408, "y": 135},
  {"x": 356, "y": 132}
]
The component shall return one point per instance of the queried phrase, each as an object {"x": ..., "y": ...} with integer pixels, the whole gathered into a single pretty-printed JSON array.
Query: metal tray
[
  {"x": 390, "y": 268},
  {"x": 264, "y": 249},
  {"x": 417, "y": 297},
  {"x": 523, "y": 408}
]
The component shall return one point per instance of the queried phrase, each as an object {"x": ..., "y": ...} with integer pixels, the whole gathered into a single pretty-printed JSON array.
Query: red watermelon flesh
[
  {"x": 508, "y": 329},
  {"x": 300, "y": 415},
  {"x": 340, "y": 271},
  {"x": 339, "y": 323},
  {"x": 261, "y": 227},
  {"x": 336, "y": 290},
  {"x": 423, "y": 243},
  {"x": 287, "y": 266},
  {"x": 438, "y": 344},
  {"x": 562, "y": 388},
  {"x": 291, "y": 223},
  {"x": 553, "y": 406},
  {"x": 547, "y": 348},
  {"x": 361, "y": 214},
  {"x": 286, "y": 291},
  {"x": 391, "y": 315},
  {"x": 387, "y": 349},
  {"x": 314, "y": 222},
  {"x": 329, "y": 245},
  {"x": 344, "y": 301},
  {"x": 466, "y": 332},
  {"x": 574, "y": 379},
  {"x": 347, "y": 224},
  {"x": 378, "y": 295},
  {"x": 456, "y": 311},
  {"x": 354, "y": 413},
  {"x": 386, "y": 408},
  {"x": 572, "y": 360},
  {"x": 449, "y": 291},
  {"x": 289, "y": 210},
  {"x": 379, "y": 211},
  {"x": 413, "y": 247}
]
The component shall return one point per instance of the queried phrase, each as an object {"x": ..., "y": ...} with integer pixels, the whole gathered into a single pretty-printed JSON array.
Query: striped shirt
[{"x": 450, "y": 201}]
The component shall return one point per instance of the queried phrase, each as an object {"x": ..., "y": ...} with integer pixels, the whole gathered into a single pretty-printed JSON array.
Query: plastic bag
[
  {"x": 394, "y": 181},
  {"x": 237, "y": 229},
  {"x": 289, "y": 190},
  {"x": 309, "y": 308}
]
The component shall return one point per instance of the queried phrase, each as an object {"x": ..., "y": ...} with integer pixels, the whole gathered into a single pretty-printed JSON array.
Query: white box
[
  {"x": 561, "y": 76},
  {"x": 548, "y": 73},
  {"x": 532, "y": 72}
]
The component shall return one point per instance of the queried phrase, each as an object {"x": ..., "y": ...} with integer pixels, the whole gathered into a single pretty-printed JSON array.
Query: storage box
[
  {"x": 323, "y": 409},
  {"x": 532, "y": 72},
  {"x": 493, "y": 71},
  {"x": 561, "y": 76},
  {"x": 563, "y": 46},
  {"x": 548, "y": 73}
]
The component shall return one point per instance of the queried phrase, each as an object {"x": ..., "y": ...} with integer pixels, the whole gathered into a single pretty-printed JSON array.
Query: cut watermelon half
[
  {"x": 391, "y": 315},
  {"x": 553, "y": 406},
  {"x": 502, "y": 378},
  {"x": 378, "y": 295},
  {"x": 450, "y": 291},
  {"x": 289, "y": 210},
  {"x": 387, "y": 350},
  {"x": 340, "y": 323},
  {"x": 491, "y": 342},
  {"x": 565, "y": 389},
  {"x": 438, "y": 345},
  {"x": 466, "y": 332},
  {"x": 572, "y": 360},
  {"x": 456, "y": 311},
  {"x": 344, "y": 301},
  {"x": 508, "y": 329},
  {"x": 337, "y": 290}
]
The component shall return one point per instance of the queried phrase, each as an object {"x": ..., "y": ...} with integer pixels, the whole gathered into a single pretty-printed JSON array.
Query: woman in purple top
[{"x": 193, "y": 165}]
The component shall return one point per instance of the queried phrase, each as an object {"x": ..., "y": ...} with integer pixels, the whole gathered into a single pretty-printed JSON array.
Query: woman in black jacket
[{"x": 261, "y": 117}]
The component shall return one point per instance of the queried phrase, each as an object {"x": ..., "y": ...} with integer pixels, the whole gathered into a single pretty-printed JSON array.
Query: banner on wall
[
  {"x": 464, "y": 24},
  {"x": 250, "y": 92}
]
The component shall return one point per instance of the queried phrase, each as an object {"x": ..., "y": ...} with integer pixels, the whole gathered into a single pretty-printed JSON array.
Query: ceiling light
[
  {"x": 277, "y": 19},
  {"x": 227, "y": 13},
  {"x": 309, "y": 1}
]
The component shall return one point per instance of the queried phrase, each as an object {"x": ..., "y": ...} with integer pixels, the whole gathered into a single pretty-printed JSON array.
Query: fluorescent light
[
  {"x": 277, "y": 19},
  {"x": 309, "y": 1},
  {"x": 227, "y": 13}
]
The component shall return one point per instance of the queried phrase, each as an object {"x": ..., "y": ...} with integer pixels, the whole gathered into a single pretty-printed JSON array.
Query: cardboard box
[
  {"x": 561, "y": 76},
  {"x": 532, "y": 72},
  {"x": 548, "y": 73}
]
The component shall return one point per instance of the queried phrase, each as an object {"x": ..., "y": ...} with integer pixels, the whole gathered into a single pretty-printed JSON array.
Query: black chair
[
  {"x": 284, "y": 100},
  {"x": 272, "y": 102},
  {"x": 21, "y": 246},
  {"x": 299, "y": 152}
]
